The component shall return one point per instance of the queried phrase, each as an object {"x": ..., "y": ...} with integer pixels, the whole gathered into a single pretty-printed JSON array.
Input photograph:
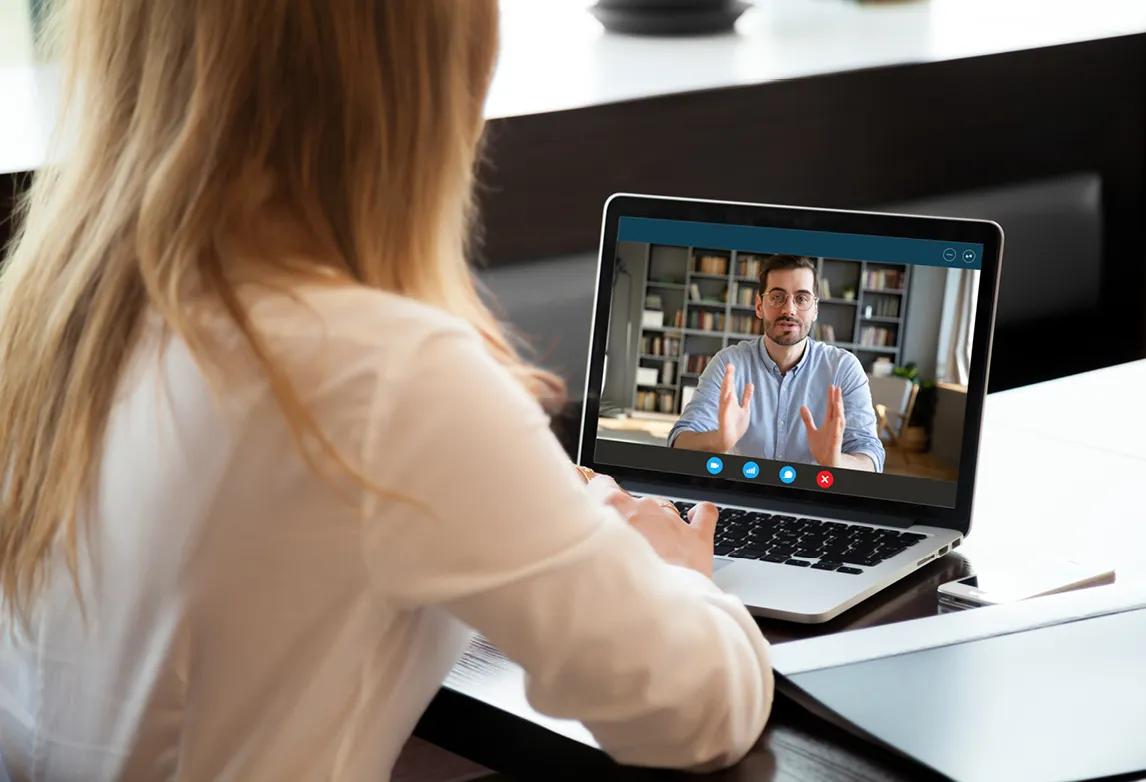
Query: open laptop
[{"x": 895, "y": 310}]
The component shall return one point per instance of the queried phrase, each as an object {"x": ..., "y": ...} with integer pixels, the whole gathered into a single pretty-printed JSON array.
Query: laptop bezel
[{"x": 984, "y": 232}]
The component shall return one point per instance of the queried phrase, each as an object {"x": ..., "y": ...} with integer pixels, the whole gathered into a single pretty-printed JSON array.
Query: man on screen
[{"x": 757, "y": 397}]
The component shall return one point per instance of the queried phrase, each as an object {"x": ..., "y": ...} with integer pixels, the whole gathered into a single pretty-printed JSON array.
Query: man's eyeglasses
[{"x": 803, "y": 299}]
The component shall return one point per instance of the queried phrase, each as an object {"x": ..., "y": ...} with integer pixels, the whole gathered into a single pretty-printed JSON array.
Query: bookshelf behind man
[{"x": 698, "y": 301}]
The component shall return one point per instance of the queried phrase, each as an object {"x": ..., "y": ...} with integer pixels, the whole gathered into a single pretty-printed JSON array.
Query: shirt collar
[{"x": 774, "y": 367}]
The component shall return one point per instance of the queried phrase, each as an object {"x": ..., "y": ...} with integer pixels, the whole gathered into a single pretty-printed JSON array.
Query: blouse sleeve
[{"x": 489, "y": 520}]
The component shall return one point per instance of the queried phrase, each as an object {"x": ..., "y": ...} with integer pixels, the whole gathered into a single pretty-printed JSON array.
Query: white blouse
[{"x": 247, "y": 619}]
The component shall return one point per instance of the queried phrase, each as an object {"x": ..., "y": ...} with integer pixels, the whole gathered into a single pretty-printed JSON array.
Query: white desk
[
  {"x": 1100, "y": 409},
  {"x": 1062, "y": 465},
  {"x": 1036, "y": 492}
]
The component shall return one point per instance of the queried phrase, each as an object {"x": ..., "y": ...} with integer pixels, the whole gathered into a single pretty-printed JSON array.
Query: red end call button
[{"x": 825, "y": 479}]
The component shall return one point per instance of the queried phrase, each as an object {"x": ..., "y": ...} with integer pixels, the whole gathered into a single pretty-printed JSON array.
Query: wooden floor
[{"x": 922, "y": 465}]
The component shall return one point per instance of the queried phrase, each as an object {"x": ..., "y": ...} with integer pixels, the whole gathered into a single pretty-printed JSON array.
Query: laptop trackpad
[{"x": 719, "y": 563}]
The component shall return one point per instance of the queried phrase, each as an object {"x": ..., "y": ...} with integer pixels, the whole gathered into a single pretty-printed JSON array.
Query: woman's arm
[{"x": 662, "y": 667}]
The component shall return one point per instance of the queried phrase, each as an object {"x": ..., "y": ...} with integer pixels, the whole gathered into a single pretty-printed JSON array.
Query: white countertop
[
  {"x": 556, "y": 56},
  {"x": 1060, "y": 467},
  {"x": 1051, "y": 480}
]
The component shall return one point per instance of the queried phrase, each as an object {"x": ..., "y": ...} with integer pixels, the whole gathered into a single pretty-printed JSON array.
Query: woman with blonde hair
[{"x": 267, "y": 457}]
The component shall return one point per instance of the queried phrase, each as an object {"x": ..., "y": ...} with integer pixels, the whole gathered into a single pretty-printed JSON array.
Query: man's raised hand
[
  {"x": 733, "y": 416},
  {"x": 826, "y": 440}
]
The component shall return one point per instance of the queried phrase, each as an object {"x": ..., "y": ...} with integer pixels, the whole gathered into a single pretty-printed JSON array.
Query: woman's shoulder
[
  {"x": 351, "y": 313},
  {"x": 321, "y": 332}
]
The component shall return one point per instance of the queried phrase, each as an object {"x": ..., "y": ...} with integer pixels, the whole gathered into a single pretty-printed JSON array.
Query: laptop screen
[{"x": 804, "y": 359}]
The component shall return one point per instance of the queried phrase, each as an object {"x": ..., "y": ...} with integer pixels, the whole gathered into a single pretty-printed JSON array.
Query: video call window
[{"x": 893, "y": 338}]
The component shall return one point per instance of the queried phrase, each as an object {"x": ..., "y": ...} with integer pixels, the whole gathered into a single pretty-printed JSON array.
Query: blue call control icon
[{"x": 714, "y": 465}]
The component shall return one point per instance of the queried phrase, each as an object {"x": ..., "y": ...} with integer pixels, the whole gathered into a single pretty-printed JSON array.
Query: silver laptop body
[{"x": 794, "y": 589}]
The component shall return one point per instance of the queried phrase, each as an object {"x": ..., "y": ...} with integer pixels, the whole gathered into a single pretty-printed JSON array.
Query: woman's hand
[{"x": 679, "y": 542}]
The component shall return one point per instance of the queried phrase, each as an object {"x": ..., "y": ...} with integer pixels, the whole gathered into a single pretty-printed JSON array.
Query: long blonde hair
[{"x": 186, "y": 118}]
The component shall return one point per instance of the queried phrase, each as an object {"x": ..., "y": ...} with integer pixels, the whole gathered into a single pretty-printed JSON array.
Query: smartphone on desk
[{"x": 1006, "y": 585}]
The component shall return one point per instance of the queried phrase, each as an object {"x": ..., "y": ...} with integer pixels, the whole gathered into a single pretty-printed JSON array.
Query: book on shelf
[
  {"x": 660, "y": 345},
  {"x": 686, "y": 395},
  {"x": 745, "y": 295},
  {"x": 882, "y": 307},
  {"x": 825, "y": 288},
  {"x": 884, "y": 279},
  {"x": 695, "y": 363},
  {"x": 646, "y": 376},
  {"x": 825, "y": 332},
  {"x": 706, "y": 320},
  {"x": 656, "y": 401},
  {"x": 877, "y": 336},
  {"x": 746, "y": 324},
  {"x": 653, "y": 301},
  {"x": 748, "y": 266},
  {"x": 668, "y": 373},
  {"x": 693, "y": 292},
  {"x": 653, "y": 318},
  {"x": 708, "y": 263}
]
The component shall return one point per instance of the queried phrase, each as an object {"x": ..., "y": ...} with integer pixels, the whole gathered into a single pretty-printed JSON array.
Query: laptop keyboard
[{"x": 801, "y": 542}]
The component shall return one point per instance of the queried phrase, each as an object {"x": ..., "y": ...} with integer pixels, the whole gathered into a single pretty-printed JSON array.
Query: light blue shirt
[{"x": 776, "y": 430}]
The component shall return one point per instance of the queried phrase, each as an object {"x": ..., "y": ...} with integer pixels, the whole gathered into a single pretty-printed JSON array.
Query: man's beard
[{"x": 783, "y": 337}]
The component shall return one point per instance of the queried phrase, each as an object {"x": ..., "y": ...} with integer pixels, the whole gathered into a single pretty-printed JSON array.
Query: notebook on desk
[{"x": 1049, "y": 689}]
